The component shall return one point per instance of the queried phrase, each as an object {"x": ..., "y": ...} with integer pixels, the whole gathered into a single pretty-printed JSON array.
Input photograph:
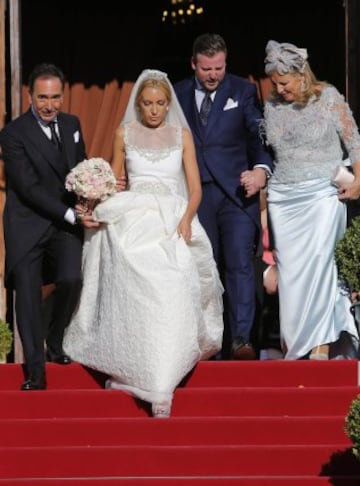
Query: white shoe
[
  {"x": 319, "y": 356},
  {"x": 108, "y": 384},
  {"x": 161, "y": 410},
  {"x": 112, "y": 384}
]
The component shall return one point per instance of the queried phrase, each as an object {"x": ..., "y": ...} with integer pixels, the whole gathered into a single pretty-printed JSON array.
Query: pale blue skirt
[{"x": 307, "y": 220}]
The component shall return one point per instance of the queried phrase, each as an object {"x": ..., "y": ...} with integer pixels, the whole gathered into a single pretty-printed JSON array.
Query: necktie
[
  {"x": 205, "y": 108},
  {"x": 54, "y": 136}
]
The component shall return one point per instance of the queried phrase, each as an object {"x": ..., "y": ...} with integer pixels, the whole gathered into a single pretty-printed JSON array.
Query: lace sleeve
[
  {"x": 271, "y": 126},
  {"x": 345, "y": 124}
]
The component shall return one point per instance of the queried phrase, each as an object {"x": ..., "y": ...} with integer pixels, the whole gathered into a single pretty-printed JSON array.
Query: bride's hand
[
  {"x": 121, "y": 184},
  {"x": 184, "y": 230},
  {"x": 86, "y": 220},
  {"x": 86, "y": 206}
]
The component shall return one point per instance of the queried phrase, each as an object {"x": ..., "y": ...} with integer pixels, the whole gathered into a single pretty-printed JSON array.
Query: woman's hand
[
  {"x": 270, "y": 280},
  {"x": 184, "y": 230},
  {"x": 121, "y": 183},
  {"x": 86, "y": 206},
  {"x": 86, "y": 220},
  {"x": 349, "y": 191},
  {"x": 84, "y": 209},
  {"x": 253, "y": 180}
]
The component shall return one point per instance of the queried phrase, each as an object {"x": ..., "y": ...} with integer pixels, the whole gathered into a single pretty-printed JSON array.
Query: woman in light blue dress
[{"x": 307, "y": 123}]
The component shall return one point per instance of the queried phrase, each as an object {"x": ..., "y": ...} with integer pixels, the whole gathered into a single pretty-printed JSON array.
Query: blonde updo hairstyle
[{"x": 157, "y": 83}]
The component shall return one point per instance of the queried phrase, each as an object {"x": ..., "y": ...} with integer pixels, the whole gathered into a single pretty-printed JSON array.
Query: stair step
[
  {"x": 207, "y": 373},
  {"x": 189, "y": 481},
  {"x": 73, "y": 376},
  {"x": 59, "y": 462},
  {"x": 225, "y": 401},
  {"x": 274, "y": 373},
  {"x": 250, "y": 423},
  {"x": 176, "y": 431}
]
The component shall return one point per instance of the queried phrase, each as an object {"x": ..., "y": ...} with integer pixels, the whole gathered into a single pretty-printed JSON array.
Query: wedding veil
[{"x": 175, "y": 115}]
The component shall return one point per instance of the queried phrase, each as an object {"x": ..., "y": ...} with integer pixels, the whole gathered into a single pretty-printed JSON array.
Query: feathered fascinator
[{"x": 284, "y": 58}]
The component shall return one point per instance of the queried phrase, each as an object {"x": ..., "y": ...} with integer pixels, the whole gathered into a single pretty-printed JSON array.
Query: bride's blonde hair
[
  {"x": 155, "y": 78},
  {"x": 155, "y": 82}
]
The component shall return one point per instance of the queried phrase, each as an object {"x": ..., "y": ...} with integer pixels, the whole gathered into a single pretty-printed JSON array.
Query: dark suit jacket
[
  {"x": 230, "y": 144},
  {"x": 35, "y": 174}
]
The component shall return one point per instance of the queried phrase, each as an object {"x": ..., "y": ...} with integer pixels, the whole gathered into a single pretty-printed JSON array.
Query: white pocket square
[
  {"x": 76, "y": 136},
  {"x": 230, "y": 104}
]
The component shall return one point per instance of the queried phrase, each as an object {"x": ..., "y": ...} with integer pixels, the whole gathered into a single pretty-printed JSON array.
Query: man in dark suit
[
  {"x": 223, "y": 112},
  {"x": 41, "y": 227}
]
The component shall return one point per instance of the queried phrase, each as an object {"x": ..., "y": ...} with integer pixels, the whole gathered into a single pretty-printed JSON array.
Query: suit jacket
[
  {"x": 230, "y": 143},
  {"x": 35, "y": 175}
]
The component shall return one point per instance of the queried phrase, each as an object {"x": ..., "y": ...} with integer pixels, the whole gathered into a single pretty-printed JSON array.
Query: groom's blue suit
[{"x": 227, "y": 146}]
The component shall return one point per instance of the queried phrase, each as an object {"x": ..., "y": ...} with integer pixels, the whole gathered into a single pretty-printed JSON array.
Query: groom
[{"x": 233, "y": 165}]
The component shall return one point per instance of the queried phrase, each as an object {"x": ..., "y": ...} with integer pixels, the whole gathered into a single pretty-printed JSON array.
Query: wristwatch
[
  {"x": 268, "y": 174},
  {"x": 78, "y": 217}
]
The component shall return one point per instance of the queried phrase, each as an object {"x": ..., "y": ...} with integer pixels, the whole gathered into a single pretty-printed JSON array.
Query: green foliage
[
  {"x": 347, "y": 255},
  {"x": 6, "y": 338},
  {"x": 352, "y": 427}
]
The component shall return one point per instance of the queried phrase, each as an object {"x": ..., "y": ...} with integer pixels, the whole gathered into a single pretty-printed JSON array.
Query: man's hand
[{"x": 253, "y": 180}]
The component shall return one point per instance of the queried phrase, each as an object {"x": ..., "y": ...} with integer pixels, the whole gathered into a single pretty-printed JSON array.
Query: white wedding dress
[{"x": 151, "y": 305}]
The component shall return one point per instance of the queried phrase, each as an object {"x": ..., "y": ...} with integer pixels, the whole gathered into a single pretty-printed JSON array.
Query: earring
[{"x": 302, "y": 86}]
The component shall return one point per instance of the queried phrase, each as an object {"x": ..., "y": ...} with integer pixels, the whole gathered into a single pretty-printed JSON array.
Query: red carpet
[{"x": 263, "y": 423}]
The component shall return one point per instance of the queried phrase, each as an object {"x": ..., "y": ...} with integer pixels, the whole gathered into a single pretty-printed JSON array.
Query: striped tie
[{"x": 205, "y": 108}]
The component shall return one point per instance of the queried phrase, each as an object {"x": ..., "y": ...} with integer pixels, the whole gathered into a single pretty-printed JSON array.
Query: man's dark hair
[
  {"x": 44, "y": 71},
  {"x": 209, "y": 45}
]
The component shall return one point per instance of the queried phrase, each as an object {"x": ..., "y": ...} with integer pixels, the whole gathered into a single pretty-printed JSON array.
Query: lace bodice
[
  {"x": 307, "y": 141},
  {"x": 154, "y": 155}
]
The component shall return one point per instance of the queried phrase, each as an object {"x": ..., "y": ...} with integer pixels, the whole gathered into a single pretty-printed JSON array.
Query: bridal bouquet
[{"x": 91, "y": 180}]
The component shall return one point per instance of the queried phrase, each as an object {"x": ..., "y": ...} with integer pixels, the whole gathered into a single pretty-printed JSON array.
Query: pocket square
[
  {"x": 76, "y": 136},
  {"x": 230, "y": 104}
]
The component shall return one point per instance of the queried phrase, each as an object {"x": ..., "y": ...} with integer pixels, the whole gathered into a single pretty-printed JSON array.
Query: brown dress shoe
[{"x": 242, "y": 350}]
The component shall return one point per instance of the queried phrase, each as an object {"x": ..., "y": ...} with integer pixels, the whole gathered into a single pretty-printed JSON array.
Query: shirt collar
[
  {"x": 40, "y": 120},
  {"x": 201, "y": 89}
]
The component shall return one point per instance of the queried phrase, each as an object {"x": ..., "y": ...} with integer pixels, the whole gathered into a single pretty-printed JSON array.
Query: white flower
[{"x": 91, "y": 179}]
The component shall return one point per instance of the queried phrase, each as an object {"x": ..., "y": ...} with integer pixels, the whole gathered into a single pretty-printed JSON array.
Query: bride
[{"x": 151, "y": 303}]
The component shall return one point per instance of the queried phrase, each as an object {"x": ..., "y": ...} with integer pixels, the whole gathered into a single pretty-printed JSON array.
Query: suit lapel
[
  {"x": 222, "y": 94},
  {"x": 35, "y": 134},
  {"x": 67, "y": 138},
  {"x": 191, "y": 112},
  {"x": 189, "y": 108}
]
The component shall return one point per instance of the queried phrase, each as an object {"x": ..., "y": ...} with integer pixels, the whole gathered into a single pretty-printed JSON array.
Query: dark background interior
[{"x": 94, "y": 42}]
